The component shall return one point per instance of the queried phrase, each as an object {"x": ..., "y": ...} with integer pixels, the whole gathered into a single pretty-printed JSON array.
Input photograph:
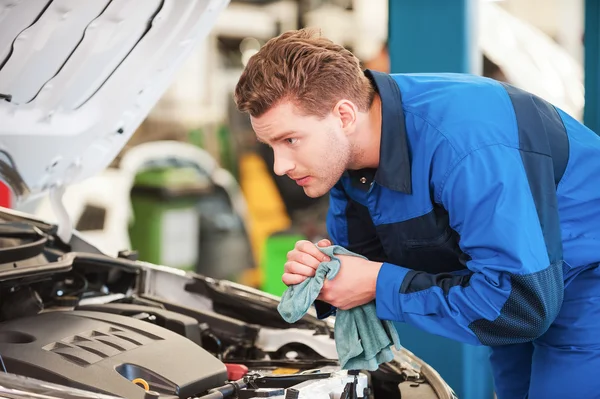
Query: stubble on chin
[
  {"x": 315, "y": 192},
  {"x": 356, "y": 156}
]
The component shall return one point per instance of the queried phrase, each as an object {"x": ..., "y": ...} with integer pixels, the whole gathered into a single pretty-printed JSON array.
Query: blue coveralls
[{"x": 485, "y": 209}]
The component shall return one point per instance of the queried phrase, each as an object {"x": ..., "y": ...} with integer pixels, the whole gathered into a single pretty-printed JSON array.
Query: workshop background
[{"x": 204, "y": 196}]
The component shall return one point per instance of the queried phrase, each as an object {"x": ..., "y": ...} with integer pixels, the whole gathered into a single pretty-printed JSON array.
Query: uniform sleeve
[{"x": 507, "y": 218}]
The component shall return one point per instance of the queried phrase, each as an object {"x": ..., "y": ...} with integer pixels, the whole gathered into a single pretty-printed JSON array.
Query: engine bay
[
  {"x": 118, "y": 327},
  {"x": 125, "y": 356}
]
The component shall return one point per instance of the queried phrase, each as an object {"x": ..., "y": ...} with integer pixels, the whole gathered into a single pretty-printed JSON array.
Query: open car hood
[{"x": 78, "y": 77}]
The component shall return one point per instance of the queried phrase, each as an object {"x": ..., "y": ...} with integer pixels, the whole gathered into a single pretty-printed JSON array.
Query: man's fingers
[
  {"x": 294, "y": 267},
  {"x": 292, "y": 279},
  {"x": 303, "y": 258},
  {"x": 324, "y": 243},
  {"x": 310, "y": 249}
]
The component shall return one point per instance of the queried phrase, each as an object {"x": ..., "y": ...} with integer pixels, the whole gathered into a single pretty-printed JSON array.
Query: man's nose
[{"x": 282, "y": 165}]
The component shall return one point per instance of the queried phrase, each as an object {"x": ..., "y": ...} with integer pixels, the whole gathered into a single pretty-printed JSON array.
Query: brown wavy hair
[{"x": 305, "y": 68}]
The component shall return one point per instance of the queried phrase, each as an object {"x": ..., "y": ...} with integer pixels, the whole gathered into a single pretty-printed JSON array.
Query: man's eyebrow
[
  {"x": 282, "y": 135},
  {"x": 277, "y": 137}
]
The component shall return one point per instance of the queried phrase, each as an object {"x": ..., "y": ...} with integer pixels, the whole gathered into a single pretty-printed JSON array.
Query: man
[{"x": 477, "y": 205}]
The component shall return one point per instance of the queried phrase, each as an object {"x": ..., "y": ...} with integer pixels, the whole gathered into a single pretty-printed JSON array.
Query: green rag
[{"x": 362, "y": 340}]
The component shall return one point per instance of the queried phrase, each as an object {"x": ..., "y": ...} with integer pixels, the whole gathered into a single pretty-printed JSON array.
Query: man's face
[{"x": 314, "y": 152}]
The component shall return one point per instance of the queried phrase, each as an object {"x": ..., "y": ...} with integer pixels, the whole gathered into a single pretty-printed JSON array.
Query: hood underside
[{"x": 78, "y": 77}]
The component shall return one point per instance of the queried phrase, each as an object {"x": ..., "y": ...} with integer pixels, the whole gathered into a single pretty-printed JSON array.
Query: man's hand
[
  {"x": 354, "y": 285},
  {"x": 303, "y": 260}
]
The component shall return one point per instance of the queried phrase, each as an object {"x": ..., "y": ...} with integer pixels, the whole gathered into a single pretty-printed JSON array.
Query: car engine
[
  {"x": 106, "y": 352},
  {"x": 118, "y": 327},
  {"x": 125, "y": 356}
]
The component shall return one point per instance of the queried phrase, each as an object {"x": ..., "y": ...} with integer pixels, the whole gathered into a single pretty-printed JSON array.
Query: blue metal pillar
[
  {"x": 432, "y": 36},
  {"x": 591, "y": 112},
  {"x": 438, "y": 36}
]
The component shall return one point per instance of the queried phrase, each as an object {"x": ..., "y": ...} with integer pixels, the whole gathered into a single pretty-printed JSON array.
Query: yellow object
[
  {"x": 266, "y": 210},
  {"x": 285, "y": 371},
  {"x": 142, "y": 382}
]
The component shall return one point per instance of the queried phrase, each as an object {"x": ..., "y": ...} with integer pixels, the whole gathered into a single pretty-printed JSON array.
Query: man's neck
[{"x": 368, "y": 138}]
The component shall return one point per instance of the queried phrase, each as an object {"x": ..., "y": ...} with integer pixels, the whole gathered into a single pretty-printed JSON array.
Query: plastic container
[
  {"x": 166, "y": 221},
  {"x": 275, "y": 255}
]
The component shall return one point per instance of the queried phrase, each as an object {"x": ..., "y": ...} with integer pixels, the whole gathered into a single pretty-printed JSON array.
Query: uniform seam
[
  {"x": 459, "y": 159},
  {"x": 412, "y": 112},
  {"x": 506, "y": 96},
  {"x": 568, "y": 168},
  {"x": 414, "y": 215},
  {"x": 586, "y": 235}
]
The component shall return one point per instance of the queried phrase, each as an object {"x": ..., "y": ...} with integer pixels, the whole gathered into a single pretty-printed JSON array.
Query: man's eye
[{"x": 291, "y": 141}]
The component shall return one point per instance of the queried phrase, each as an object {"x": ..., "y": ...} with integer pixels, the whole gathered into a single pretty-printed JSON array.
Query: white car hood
[{"x": 81, "y": 76}]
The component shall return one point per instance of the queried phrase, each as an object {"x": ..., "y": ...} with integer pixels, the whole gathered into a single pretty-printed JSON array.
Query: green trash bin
[{"x": 166, "y": 225}]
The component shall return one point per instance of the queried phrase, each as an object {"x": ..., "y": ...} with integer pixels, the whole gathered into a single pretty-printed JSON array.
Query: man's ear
[{"x": 347, "y": 112}]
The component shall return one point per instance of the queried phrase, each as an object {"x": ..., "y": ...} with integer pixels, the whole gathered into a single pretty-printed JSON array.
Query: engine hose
[
  {"x": 287, "y": 381},
  {"x": 214, "y": 395},
  {"x": 229, "y": 390}
]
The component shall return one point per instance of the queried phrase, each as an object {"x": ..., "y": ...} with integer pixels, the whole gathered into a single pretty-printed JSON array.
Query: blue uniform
[{"x": 485, "y": 210}]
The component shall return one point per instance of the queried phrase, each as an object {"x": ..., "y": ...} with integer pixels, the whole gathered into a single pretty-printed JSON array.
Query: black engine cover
[{"x": 105, "y": 352}]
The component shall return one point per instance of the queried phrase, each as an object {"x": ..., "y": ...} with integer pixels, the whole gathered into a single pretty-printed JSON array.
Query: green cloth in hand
[{"x": 362, "y": 340}]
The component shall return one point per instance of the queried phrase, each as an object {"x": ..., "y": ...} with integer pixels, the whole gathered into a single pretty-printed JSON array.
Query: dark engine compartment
[{"x": 72, "y": 316}]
